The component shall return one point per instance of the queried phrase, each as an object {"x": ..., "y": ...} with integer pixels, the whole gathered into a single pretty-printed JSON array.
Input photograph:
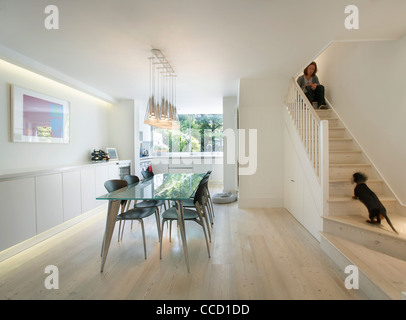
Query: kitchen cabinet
[
  {"x": 49, "y": 203},
  {"x": 88, "y": 188},
  {"x": 33, "y": 202},
  {"x": 72, "y": 199},
  {"x": 17, "y": 214},
  {"x": 189, "y": 164}
]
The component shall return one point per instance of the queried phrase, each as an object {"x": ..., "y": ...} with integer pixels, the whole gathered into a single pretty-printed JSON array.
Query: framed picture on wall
[
  {"x": 113, "y": 155},
  {"x": 36, "y": 117}
]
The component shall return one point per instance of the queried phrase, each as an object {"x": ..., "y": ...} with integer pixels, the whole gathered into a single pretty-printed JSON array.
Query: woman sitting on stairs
[{"x": 311, "y": 86}]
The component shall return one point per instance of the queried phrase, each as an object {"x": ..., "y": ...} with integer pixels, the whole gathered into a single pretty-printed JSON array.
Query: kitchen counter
[{"x": 12, "y": 174}]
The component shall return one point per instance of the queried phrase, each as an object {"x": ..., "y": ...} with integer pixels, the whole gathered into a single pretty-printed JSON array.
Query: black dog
[{"x": 375, "y": 208}]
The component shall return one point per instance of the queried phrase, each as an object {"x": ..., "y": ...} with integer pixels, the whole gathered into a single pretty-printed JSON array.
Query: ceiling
[{"x": 211, "y": 44}]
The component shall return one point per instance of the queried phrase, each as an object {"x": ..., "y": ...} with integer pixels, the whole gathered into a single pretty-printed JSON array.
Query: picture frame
[
  {"x": 113, "y": 155},
  {"x": 36, "y": 117}
]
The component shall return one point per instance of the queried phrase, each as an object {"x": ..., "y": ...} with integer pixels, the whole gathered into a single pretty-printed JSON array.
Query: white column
[{"x": 230, "y": 105}]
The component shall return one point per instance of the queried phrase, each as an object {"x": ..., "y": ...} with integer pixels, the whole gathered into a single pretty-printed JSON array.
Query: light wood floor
[{"x": 255, "y": 254}]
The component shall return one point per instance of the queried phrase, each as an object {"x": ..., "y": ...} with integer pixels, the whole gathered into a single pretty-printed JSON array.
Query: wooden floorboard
[{"x": 255, "y": 254}]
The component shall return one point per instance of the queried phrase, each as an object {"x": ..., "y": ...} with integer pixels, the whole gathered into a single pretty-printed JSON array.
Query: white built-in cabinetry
[
  {"x": 36, "y": 201},
  {"x": 189, "y": 164}
]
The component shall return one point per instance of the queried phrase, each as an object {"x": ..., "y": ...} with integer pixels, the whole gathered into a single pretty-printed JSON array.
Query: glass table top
[{"x": 164, "y": 186}]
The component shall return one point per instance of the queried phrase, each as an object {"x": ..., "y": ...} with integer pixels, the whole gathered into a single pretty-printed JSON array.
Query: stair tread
[
  {"x": 340, "y": 139},
  {"x": 350, "y": 164},
  {"x": 348, "y": 198},
  {"x": 344, "y": 180},
  {"x": 359, "y": 221},
  {"x": 345, "y": 151},
  {"x": 385, "y": 271},
  {"x": 333, "y": 197}
]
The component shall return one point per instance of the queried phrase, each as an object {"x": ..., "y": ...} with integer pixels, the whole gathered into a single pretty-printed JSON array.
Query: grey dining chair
[{"x": 132, "y": 214}]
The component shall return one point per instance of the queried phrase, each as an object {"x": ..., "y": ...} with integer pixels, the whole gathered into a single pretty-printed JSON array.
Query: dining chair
[
  {"x": 189, "y": 215},
  {"x": 131, "y": 179},
  {"x": 205, "y": 207},
  {"x": 132, "y": 214},
  {"x": 209, "y": 202},
  {"x": 147, "y": 174}
]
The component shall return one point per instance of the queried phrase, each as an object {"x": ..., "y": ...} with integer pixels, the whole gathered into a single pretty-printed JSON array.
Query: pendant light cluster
[{"x": 161, "y": 110}]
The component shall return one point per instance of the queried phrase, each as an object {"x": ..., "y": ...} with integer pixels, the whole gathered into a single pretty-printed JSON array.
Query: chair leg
[
  {"x": 160, "y": 246},
  {"x": 143, "y": 238},
  {"x": 202, "y": 224},
  {"x": 122, "y": 230},
  {"x": 119, "y": 229},
  {"x": 158, "y": 223},
  {"x": 207, "y": 221},
  {"x": 170, "y": 230}
]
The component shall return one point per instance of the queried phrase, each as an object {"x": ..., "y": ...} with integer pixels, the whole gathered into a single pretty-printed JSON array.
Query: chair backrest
[
  {"x": 131, "y": 179},
  {"x": 147, "y": 174},
  {"x": 200, "y": 191},
  {"x": 113, "y": 185}
]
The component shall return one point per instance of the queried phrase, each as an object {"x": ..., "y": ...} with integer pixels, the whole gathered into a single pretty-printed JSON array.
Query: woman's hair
[{"x": 315, "y": 68}]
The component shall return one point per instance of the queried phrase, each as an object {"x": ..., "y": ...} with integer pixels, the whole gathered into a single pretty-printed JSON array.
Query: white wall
[
  {"x": 365, "y": 82},
  {"x": 89, "y": 122},
  {"x": 122, "y": 130},
  {"x": 260, "y": 108}
]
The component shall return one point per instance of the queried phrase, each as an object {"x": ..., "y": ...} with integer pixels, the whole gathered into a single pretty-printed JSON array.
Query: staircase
[{"x": 378, "y": 252}]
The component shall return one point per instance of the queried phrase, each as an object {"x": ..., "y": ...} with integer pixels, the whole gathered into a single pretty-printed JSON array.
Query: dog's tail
[{"x": 390, "y": 223}]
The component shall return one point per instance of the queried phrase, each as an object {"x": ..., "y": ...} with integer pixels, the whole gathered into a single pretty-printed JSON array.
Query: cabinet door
[
  {"x": 72, "y": 202},
  {"x": 88, "y": 189},
  {"x": 17, "y": 213},
  {"x": 102, "y": 175},
  {"x": 201, "y": 168},
  {"x": 49, "y": 201},
  {"x": 160, "y": 168},
  {"x": 180, "y": 170},
  {"x": 293, "y": 182},
  {"x": 114, "y": 172}
]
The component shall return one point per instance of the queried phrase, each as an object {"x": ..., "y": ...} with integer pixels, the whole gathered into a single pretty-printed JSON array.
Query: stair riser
[
  {"x": 333, "y": 123},
  {"x": 356, "y": 207},
  {"x": 368, "y": 287},
  {"x": 337, "y": 133},
  {"x": 323, "y": 114},
  {"x": 346, "y": 188},
  {"x": 380, "y": 242},
  {"x": 349, "y": 157},
  {"x": 346, "y": 172},
  {"x": 342, "y": 145}
]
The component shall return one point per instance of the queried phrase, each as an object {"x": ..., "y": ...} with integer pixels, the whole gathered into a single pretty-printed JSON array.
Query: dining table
[{"x": 176, "y": 187}]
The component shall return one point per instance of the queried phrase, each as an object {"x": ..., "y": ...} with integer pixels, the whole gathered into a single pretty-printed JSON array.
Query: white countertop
[
  {"x": 11, "y": 174},
  {"x": 184, "y": 155}
]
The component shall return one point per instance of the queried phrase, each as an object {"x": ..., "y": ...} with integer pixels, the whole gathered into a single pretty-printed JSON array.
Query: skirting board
[
  {"x": 7, "y": 253},
  {"x": 247, "y": 203}
]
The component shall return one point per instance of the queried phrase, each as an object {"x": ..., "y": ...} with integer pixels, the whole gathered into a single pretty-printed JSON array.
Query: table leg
[
  {"x": 112, "y": 212},
  {"x": 181, "y": 222}
]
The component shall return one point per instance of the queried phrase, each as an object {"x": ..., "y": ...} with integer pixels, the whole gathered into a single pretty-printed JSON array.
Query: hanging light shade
[
  {"x": 151, "y": 112},
  {"x": 163, "y": 115}
]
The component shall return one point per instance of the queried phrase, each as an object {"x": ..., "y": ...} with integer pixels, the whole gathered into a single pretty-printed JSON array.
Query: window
[{"x": 197, "y": 133}]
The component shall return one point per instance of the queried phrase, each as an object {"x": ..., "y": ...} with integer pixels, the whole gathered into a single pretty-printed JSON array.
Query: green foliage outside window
[{"x": 197, "y": 133}]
